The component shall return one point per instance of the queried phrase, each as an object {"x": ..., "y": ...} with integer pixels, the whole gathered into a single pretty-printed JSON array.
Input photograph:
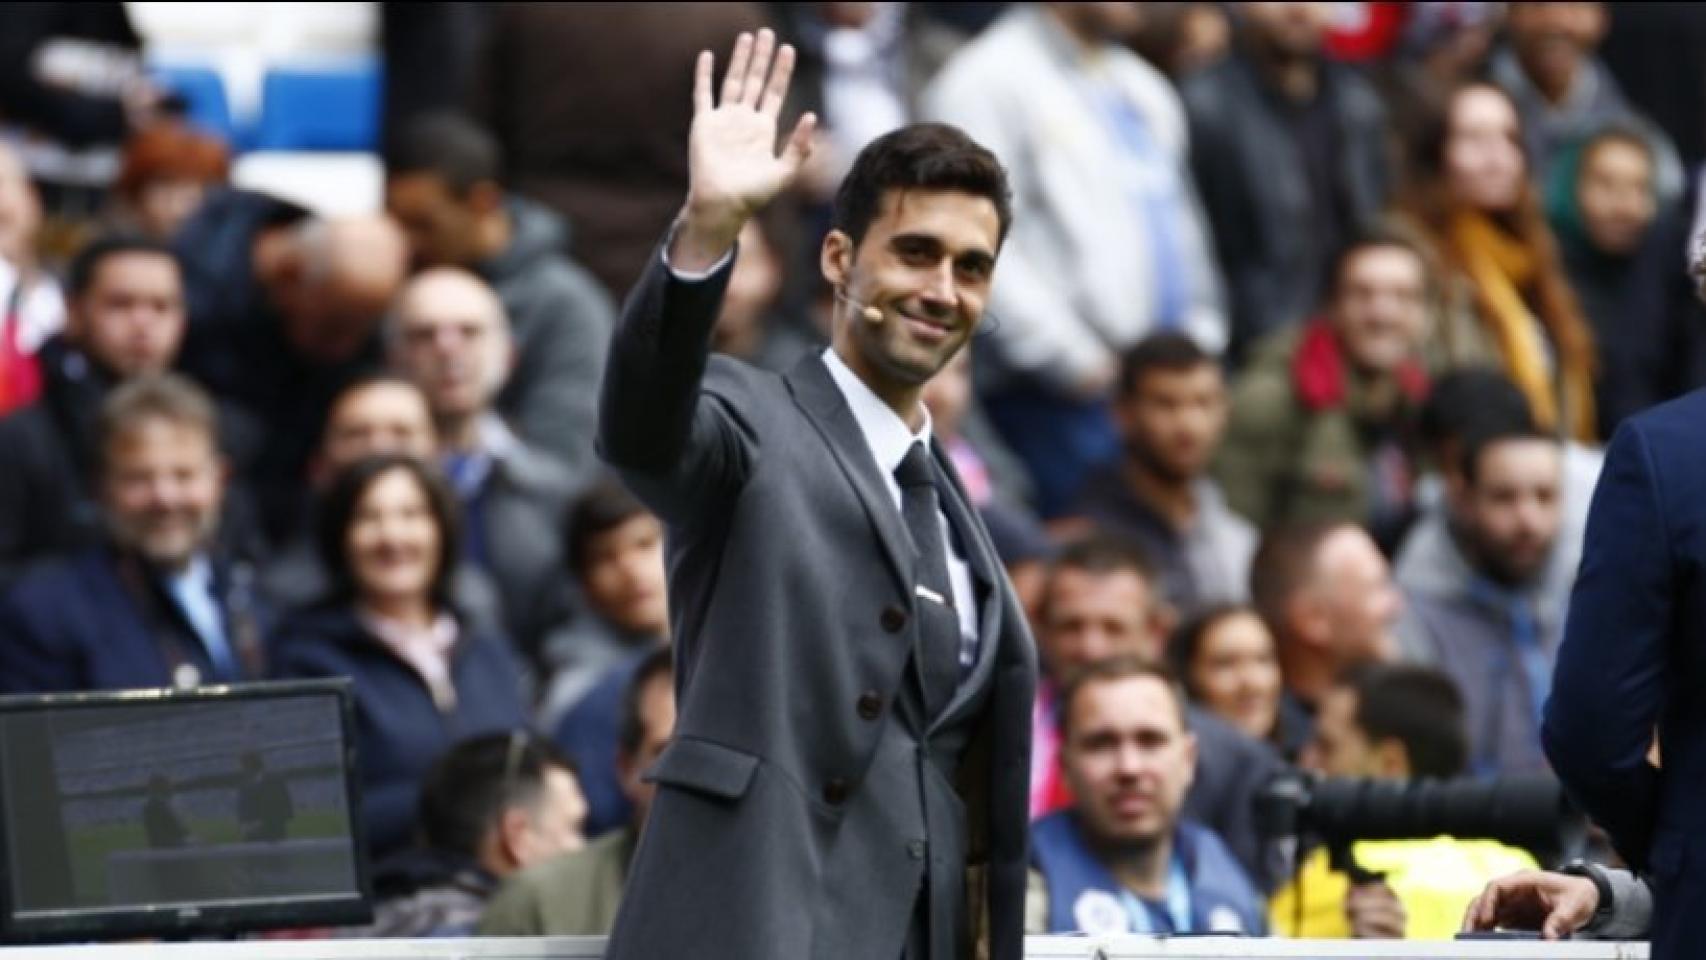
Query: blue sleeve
[{"x": 1608, "y": 689}]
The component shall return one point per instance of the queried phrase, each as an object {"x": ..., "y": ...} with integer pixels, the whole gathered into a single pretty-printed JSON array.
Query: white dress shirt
[{"x": 888, "y": 438}]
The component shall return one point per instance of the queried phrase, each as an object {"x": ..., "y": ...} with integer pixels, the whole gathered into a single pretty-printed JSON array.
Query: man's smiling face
[{"x": 926, "y": 264}]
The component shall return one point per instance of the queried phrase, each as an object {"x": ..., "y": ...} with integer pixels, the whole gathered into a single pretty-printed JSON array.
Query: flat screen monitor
[{"x": 179, "y": 813}]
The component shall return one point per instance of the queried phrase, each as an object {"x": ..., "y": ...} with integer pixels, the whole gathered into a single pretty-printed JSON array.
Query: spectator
[
  {"x": 160, "y": 603},
  {"x": 550, "y": 73},
  {"x": 1113, "y": 244},
  {"x": 1507, "y": 300},
  {"x": 1322, "y": 418},
  {"x": 424, "y": 677},
  {"x": 126, "y": 321},
  {"x": 1479, "y": 403},
  {"x": 577, "y": 895},
  {"x": 1563, "y": 91},
  {"x": 1603, "y": 222},
  {"x": 1326, "y": 593},
  {"x": 31, "y": 308},
  {"x": 1484, "y": 619},
  {"x": 167, "y": 171},
  {"x": 1398, "y": 722},
  {"x": 1125, "y": 858},
  {"x": 1226, "y": 661},
  {"x": 442, "y": 185},
  {"x": 284, "y": 312},
  {"x": 1171, "y": 409},
  {"x": 1291, "y": 156},
  {"x": 491, "y": 807},
  {"x": 613, "y": 547},
  {"x": 378, "y": 414},
  {"x": 448, "y": 335},
  {"x": 1101, "y": 602}
]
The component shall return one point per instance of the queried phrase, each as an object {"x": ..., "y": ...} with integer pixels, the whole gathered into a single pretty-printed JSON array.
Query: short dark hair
[
  {"x": 447, "y": 145},
  {"x": 1418, "y": 706},
  {"x": 657, "y": 664},
  {"x": 162, "y": 396},
  {"x": 1112, "y": 670},
  {"x": 1102, "y": 553},
  {"x": 1187, "y": 639},
  {"x": 1373, "y": 237},
  {"x": 1284, "y": 564},
  {"x": 471, "y": 785},
  {"x": 1479, "y": 441},
  {"x": 919, "y": 156},
  {"x": 1469, "y": 400},
  {"x": 86, "y": 265},
  {"x": 337, "y": 515},
  {"x": 1169, "y": 350},
  {"x": 605, "y": 506}
]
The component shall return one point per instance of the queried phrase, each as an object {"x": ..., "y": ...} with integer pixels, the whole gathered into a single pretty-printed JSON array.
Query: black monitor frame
[{"x": 186, "y": 919}]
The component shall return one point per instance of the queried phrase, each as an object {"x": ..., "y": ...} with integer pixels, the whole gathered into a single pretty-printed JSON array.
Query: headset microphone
[{"x": 867, "y": 312}]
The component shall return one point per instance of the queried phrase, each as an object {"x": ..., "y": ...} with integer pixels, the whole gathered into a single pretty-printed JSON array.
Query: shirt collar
[
  {"x": 196, "y": 574},
  {"x": 885, "y": 432}
]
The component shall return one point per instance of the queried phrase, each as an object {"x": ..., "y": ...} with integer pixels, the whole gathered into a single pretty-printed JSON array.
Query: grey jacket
[
  {"x": 800, "y": 813},
  {"x": 1631, "y": 909},
  {"x": 561, "y": 320}
]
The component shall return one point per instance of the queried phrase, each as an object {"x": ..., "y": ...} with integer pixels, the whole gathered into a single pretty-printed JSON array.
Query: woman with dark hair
[
  {"x": 1226, "y": 660},
  {"x": 423, "y": 678},
  {"x": 1508, "y": 300}
]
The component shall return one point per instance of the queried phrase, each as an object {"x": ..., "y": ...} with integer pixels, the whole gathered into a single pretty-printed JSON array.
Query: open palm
[{"x": 733, "y": 166}]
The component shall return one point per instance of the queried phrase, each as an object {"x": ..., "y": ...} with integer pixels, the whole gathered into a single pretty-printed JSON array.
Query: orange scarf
[{"x": 1501, "y": 267}]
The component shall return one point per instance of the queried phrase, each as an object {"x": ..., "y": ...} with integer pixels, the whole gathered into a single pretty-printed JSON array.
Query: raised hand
[{"x": 733, "y": 165}]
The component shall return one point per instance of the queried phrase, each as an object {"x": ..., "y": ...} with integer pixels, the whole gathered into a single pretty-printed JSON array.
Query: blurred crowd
[{"x": 1285, "y": 416}]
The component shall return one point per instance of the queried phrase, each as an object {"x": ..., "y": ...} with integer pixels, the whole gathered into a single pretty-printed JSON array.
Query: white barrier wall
[{"x": 1036, "y": 948}]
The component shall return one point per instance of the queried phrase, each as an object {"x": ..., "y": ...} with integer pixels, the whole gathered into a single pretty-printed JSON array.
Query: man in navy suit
[
  {"x": 1629, "y": 668},
  {"x": 160, "y": 602}
]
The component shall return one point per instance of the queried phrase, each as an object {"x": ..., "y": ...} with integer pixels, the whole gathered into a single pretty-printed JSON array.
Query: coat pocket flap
[{"x": 705, "y": 766}]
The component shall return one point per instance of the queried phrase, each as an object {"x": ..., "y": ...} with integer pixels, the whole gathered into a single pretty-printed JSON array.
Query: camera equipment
[{"x": 1299, "y": 808}]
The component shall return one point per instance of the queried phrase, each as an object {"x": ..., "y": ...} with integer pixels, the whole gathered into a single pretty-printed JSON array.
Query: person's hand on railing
[{"x": 1555, "y": 904}]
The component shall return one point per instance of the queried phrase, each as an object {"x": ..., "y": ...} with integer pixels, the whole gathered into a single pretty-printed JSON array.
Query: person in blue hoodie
[
  {"x": 425, "y": 675},
  {"x": 1122, "y": 859}
]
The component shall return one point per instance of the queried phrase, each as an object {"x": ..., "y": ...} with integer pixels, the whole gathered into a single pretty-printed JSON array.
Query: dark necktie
[{"x": 938, "y": 623}]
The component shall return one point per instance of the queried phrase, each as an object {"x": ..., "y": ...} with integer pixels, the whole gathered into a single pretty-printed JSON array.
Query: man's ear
[
  {"x": 835, "y": 258},
  {"x": 512, "y": 829}
]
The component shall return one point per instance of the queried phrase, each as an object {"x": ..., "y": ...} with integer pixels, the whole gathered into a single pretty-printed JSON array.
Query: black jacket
[{"x": 1257, "y": 192}]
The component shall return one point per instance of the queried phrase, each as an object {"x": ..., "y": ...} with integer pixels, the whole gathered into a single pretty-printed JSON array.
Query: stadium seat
[{"x": 333, "y": 106}]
